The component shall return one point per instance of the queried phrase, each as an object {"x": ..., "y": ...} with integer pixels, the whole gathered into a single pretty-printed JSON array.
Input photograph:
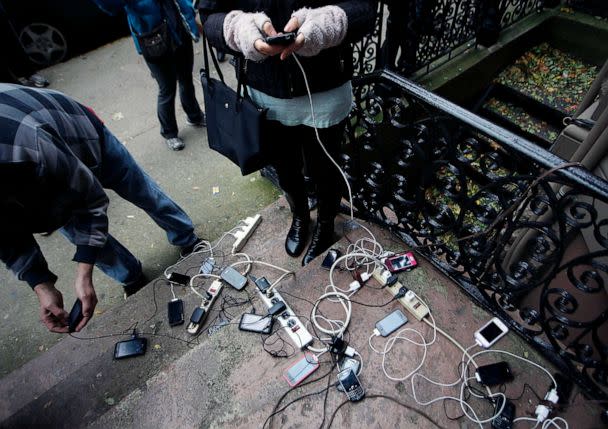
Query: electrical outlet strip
[
  {"x": 212, "y": 293},
  {"x": 410, "y": 301},
  {"x": 296, "y": 330},
  {"x": 243, "y": 234}
]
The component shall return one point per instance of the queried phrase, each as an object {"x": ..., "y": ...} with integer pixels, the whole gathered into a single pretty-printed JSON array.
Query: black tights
[{"x": 297, "y": 146}]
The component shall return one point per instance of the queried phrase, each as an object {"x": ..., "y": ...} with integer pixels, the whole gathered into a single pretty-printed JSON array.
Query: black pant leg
[
  {"x": 184, "y": 61},
  {"x": 164, "y": 71},
  {"x": 288, "y": 163}
]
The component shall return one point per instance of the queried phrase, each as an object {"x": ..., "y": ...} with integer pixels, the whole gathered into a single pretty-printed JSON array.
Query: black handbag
[
  {"x": 156, "y": 44},
  {"x": 234, "y": 122}
]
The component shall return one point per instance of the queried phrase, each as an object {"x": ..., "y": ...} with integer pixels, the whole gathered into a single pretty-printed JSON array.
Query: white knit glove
[
  {"x": 242, "y": 29},
  {"x": 322, "y": 28}
]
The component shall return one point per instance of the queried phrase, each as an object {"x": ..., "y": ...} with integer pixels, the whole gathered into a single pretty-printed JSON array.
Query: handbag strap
[
  {"x": 213, "y": 58},
  {"x": 241, "y": 75}
]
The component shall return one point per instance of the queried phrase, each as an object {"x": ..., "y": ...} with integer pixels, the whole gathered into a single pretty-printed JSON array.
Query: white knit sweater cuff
[
  {"x": 323, "y": 28},
  {"x": 241, "y": 30}
]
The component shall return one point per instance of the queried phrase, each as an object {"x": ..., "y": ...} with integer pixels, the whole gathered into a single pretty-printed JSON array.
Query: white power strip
[
  {"x": 410, "y": 301},
  {"x": 296, "y": 330},
  {"x": 212, "y": 293},
  {"x": 243, "y": 234}
]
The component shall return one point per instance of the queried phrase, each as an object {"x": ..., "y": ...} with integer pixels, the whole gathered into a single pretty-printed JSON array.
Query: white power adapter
[
  {"x": 542, "y": 411},
  {"x": 354, "y": 286}
]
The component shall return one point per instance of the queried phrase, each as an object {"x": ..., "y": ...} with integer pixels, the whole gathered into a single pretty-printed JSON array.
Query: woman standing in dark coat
[{"x": 325, "y": 30}]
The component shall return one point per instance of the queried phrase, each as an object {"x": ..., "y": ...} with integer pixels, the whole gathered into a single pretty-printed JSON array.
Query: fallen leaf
[
  {"x": 130, "y": 217},
  {"x": 215, "y": 190},
  {"x": 118, "y": 116},
  {"x": 157, "y": 347},
  {"x": 196, "y": 188}
]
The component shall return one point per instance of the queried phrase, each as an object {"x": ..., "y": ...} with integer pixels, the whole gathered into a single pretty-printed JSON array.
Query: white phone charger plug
[
  {"x": 410, "y": 296},
  {"x": 354, "y": 286},
  {"x": 541, "y": 412},
  {"x": 552, "y": 396},
  {"x": 349, "y": 351}
]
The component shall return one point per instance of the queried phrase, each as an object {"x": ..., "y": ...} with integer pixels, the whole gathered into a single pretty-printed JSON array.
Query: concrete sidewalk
[{"x": 116, "y": 83}]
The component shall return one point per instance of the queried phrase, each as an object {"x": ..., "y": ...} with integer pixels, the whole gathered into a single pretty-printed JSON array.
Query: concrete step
[{"x": 226, "y": 379}]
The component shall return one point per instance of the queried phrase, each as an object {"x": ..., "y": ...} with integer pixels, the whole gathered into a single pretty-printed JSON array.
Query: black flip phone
[
  {"x": 176, "y": 312},
  {"x": 133, "y": 347},
  {"x": 330, "y": 258},
  {"x": 75, "y": 316},
  {"x": 505, "y": 419},
  {"x": 493, "y": 374},
  {"x": 284, "y": 39}
]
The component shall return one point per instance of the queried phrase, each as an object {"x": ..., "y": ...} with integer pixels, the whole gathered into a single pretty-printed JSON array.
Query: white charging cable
[{"x": 314, "y": 121}]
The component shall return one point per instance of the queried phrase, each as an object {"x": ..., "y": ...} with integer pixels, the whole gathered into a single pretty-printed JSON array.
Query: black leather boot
[
  {"x": 297, "y": 235},
  {"x": 322, "y": 239},
  {"x": 298, "y": 232}
]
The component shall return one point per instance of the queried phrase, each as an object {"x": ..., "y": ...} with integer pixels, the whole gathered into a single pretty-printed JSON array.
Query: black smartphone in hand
[
  {"x": 75, "y": 316},
  {"x": 283, "y": 39}
]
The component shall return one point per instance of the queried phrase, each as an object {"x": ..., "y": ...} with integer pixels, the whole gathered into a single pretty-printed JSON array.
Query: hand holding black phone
[
  {"x": 283, "y": 39},
  {"x": 75, "y": 316}
]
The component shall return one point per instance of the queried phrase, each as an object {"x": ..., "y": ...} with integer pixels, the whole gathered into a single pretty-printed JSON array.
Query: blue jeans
[{"x": 120, "y": 173}]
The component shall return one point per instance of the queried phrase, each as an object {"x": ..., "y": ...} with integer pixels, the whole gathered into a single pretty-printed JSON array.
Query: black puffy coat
[{"x": 329, "y": 69}]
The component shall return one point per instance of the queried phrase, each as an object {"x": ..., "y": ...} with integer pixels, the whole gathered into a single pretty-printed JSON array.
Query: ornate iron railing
[
  {"x": 513, "y": 11},
  {"x": 593, "y": 7},
  {"x": 488, "y": 209},
  {"x": 424, "y": 34}
]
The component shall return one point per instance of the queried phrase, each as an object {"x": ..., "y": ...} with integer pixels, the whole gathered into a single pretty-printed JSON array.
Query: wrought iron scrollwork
[
  {"x": 512, "y": 11},
  {"x": 530, "y": 246},
  {"x": 366, "y": 52},
  {"x": 424, "y": 34}
]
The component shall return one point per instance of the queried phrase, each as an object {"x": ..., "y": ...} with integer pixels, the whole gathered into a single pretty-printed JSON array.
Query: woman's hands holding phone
[
  {"x": 293, "y": 25},
  {"x": 264, "y": 48}
]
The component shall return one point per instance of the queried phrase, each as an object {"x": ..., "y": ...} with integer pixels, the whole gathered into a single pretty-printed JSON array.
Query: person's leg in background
[
  {"x": 165, "y": 73},
  {"x": 329, "y": 184},
  {"x": 121, "y": 173},
  {"x": 288, "y": 163},
  {"x": 184, "y": 61}
]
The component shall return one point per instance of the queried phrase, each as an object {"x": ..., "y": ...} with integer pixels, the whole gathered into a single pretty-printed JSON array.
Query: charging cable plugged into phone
[
  {"x": 490, "y": 333},
  {"x": 301, "y": 369},
  {"x": 136, "y": 346}
]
